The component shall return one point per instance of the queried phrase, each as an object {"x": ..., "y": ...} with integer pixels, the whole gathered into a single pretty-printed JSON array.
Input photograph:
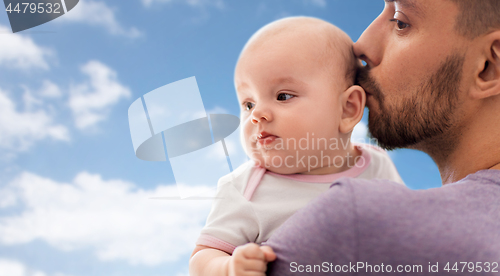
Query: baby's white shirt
[{"x": 252, "y": 202}]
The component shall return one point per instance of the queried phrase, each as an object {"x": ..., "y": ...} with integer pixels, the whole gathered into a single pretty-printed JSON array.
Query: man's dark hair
[{"x": 477, "y": 17}]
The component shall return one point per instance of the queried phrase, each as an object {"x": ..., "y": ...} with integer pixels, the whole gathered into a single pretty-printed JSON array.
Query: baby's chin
[
  {"x": 277, "y": 168},
  {"x": 283, "y": 170}
]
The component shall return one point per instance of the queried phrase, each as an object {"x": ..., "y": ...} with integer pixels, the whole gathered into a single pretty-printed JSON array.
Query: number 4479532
[
  {"x": 34, "y": 8},
  {"x": 471, "y": 267}
]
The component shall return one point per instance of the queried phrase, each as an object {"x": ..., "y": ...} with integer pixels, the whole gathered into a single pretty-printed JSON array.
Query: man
[{"x": 432, "y": 78}]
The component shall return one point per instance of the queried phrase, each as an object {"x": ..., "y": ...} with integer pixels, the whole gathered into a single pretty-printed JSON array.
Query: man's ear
[
  {"x": 353, "y": 104},
  {"x": 488, "y": 79}
]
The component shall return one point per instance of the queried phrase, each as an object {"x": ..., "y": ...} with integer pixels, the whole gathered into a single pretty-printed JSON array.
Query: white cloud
[
  {"x": 90, "y": 101},
  {"x": 360, "y": 133},
  {"x": 193, "y": 3},
  {"x": 30, "y": 101},
  {"x": 200, "y": 114},
  {"x": 20, "y": 129},
  {"x": 217, "y": 110},
  {"x": 98, "y": 14},
  {"x": 10, "y": 267},
  {"x": 113, "y": 218},
  {"x": 7, "y": 198},
  {"x": 49, "y": 90},
  {"x": 15, "y": 268},
  {"x": 19, "y": 51}
]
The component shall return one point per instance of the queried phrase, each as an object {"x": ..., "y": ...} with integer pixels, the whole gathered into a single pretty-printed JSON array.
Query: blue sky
[{"x": 74, "y": 199}]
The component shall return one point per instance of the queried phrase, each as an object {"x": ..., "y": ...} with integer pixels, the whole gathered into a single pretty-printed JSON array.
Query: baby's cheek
[{"x": 245, "y": 140}]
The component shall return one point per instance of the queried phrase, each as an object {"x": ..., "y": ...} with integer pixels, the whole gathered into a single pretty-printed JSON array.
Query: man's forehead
[
  {"x": 405, "y": 3},
  {"x": 413, "y": 5}
]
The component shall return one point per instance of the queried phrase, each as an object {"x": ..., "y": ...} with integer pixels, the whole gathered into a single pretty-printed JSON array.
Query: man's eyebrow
[{"x": 408, "y": 4}]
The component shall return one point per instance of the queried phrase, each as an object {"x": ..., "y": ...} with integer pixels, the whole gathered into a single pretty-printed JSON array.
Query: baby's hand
[{"x": 250, "y": 259}]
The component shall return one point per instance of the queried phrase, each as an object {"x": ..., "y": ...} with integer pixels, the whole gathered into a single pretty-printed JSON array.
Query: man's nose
[
  {"x": 261, "y": 114},
  {"x": 371, "y": 44}
]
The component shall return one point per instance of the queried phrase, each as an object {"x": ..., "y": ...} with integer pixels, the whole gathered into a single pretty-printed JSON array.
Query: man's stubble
[{"x": 423, "y": 120}]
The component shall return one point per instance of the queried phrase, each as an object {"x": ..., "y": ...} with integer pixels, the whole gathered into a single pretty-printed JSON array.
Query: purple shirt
[{"x": 361, "y": 223}]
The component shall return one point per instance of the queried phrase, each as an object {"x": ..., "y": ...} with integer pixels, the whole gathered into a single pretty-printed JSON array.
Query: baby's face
[{"x": 289, "y": 98}]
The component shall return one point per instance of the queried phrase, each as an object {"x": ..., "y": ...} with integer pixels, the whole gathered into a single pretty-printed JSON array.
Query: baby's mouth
[{"x": 265, "y": 138}]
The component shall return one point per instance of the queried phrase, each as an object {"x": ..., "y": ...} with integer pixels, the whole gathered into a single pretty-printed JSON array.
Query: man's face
[{"x": 413, "y": 76}]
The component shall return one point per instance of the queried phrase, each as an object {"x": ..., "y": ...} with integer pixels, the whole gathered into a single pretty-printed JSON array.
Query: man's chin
[
  {"x": 380, "y": 129},
  {"x": 385, "y": 136}
]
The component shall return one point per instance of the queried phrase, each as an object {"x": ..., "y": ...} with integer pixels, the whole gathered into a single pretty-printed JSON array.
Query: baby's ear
[{"x": 353, "y": 104}]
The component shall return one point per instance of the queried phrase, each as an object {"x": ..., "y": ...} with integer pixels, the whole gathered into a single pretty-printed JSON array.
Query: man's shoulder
[
  {"x": 445, "y": 220},
  {"x": 392, "y": 210},
  {"x": 382, "y": 193},
  {"x": 379, "y": 221},
  {"x": 489, "y": 179}
]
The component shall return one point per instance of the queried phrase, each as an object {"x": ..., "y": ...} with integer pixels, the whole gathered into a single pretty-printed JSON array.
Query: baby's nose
[{"x": 258, "y": 119}]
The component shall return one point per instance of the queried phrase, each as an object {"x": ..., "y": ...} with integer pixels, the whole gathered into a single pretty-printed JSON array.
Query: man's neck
[
  {"x": 476, "y": 149},
  {"x": 496, "y": 167}
]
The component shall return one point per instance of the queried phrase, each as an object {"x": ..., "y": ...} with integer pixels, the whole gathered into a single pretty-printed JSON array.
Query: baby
[{"x": 295, "y": 83}]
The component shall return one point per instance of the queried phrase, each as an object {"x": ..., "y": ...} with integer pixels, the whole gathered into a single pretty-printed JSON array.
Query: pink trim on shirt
[
  {"x": 355, "y": 171},
  {"x": 253, "y": 182},
  {"x": 373, "y": 147},
  {"x": 216, "y": 243}
]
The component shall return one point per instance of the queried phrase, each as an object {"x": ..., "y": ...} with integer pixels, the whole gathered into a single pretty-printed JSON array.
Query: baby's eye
[
  {"x": 284, "y": 96},
  {"x": 248, "y": 105}
]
